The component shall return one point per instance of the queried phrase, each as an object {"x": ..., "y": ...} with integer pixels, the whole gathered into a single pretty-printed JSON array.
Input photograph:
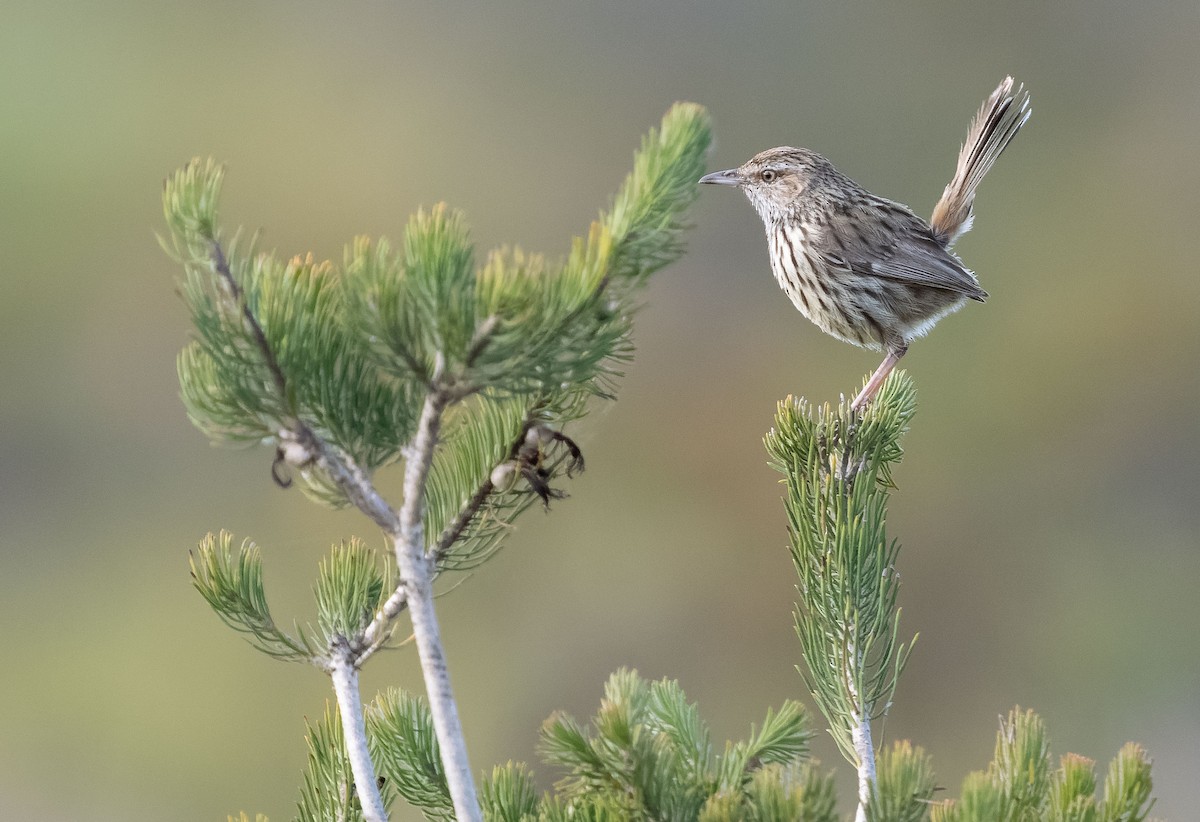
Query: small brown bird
[{"x": 864, "y": 269}]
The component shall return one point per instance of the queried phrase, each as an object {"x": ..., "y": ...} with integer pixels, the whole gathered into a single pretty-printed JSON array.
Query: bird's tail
[{"x": 997, "y": 122}]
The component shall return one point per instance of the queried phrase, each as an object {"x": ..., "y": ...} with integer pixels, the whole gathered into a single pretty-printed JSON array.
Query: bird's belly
[{"x": 827, "y": 303}]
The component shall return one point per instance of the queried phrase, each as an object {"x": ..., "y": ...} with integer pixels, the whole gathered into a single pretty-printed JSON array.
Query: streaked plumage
[{"x": 865, "y": 269}]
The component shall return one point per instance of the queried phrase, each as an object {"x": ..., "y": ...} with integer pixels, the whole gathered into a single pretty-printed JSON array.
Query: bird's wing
[{"x": 886, "y": 240}]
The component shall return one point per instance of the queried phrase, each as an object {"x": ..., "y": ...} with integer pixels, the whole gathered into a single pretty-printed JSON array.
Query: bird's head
[{"x": 775, "y": 179}]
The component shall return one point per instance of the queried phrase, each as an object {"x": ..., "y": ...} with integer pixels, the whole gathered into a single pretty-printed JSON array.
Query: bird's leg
[{"x": 895, "y": 352}]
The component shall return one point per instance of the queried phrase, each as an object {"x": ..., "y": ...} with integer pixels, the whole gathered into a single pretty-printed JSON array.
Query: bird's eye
[{"x": 769, "y": 175}]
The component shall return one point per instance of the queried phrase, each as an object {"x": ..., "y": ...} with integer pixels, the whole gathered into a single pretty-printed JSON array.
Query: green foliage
[
  {"x": 1019, "y": 786},
  {"x": 903, "y": 785},
  {"x": 837, "y": 471},
  {"x": 584, "y": 809},
  {"x": 317, "y": 369},
  {"x": 1073, "y": 792},
  {"x": 557, "y": 327},
  {"x": 782, "y": 740},
  {"x": 981, "y": 799},
  {"x": 479, "y": 435},
  {"x": 350, "y": 589},
  {"x": 328, "y": 790},
  {"x": 1021, "y": 767},
  {"x": 777, "y": 793},
  {"x": 509, "y": 795},
  {"x": 415, "y": 304},
  {"x": 335, "y": 365},
  {"x": 1127, "y": 788},
  {"x": 291, "y": 351},
  {"x": 404, "y": 748},
  {"x": 352, "y": 351},
  {"x": 645, "y": 218},
  {"x": 231, "y": 581},
  {"x": 647, "y": 755}
]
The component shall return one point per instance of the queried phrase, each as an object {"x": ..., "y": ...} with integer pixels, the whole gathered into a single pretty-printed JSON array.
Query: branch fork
[{"x": 300, "y": 446}]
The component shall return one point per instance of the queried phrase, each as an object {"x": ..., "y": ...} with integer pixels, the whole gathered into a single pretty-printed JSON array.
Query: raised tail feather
[{"x": 997, "y": 122}]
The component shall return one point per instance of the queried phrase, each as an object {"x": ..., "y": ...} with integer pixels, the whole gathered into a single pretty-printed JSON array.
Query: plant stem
[
  {"x": 417, "y": 572},
  {"x": 351, "y": 480},
  {"x": 860, "y": 734},
  {"x": 345, "y": 686},
  {"x": 407, "y": 532},
  {"x": 377, "y": 633},
  {"x": 860, "y": 738}
]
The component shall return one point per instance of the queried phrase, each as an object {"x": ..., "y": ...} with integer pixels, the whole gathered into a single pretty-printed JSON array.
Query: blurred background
[{"x": 1047, "y": 503}]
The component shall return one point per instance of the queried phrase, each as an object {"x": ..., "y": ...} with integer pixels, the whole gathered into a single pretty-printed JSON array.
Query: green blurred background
[{"x": 1048, "y": 504}]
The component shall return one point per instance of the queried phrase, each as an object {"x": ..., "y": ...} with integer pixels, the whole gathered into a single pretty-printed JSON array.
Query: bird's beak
[{"x": 728, "y": 177}]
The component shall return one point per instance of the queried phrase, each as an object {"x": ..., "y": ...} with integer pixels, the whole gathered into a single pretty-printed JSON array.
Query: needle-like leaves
[
  {"x": 836, "y": 466},
  {"x": 230, "y": 580},
  {"x": 350, "y": 589},
  {"x": 405, "y": 750},
  {"x": 1019, "y": 786},
  {"x": 648, "y": 753}
]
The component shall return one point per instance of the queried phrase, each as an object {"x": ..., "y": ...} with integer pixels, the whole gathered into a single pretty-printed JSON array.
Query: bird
[{"x": 865, "y": 269}]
